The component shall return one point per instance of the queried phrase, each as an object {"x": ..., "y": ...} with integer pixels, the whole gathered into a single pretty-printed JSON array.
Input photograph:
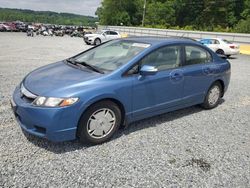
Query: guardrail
[{"x": 141, "y": 31}]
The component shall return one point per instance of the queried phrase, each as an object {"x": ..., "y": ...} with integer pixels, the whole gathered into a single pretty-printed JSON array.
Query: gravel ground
[{"x": 186, "y": 148}]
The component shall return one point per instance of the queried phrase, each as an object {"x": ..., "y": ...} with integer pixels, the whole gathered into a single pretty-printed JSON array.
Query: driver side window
[
  {"x": 107, "y": 32},
  {"x": 165, "y": 58}
]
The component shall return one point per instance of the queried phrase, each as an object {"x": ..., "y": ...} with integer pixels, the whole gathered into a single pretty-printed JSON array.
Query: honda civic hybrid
[{"x": 90, "y": 95}]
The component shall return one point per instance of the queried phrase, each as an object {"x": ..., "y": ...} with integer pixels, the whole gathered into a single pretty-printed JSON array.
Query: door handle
[
  {"x": 176, "y": 76},
  {"x": 208, "y": 70}
]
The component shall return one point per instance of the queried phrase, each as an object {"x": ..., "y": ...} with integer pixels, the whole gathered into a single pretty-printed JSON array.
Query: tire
[
  {"x": 99, "y": 123},
  {"x": 220, "y": 51},
  {"x": 213, "y": 96},
  {"x": 97, "y": 41}
]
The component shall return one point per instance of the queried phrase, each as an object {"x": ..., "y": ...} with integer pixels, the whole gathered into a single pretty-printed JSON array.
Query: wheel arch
[
  {"x": 98, "y": 38},
  {"x": 221, "y": 82},
  {"x": 220, "y": 49},
  {"x": 112, "y": 99}
]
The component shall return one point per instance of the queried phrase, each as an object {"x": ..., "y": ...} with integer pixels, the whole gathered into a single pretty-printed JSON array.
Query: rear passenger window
[
  {"x": 107, "y": 32},
  {"x": 196, "y": 55},
  {"x": 113, "y": 33}
]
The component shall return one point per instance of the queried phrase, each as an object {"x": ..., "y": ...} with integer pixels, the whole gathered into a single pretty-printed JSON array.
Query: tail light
[{"x": 231, "y": 46}]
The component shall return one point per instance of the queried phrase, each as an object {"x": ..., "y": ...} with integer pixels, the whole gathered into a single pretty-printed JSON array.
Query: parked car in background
[
  {"x": 100, "y": 37},
  {"x": 21, "y": 27},
  {"x": 59, "y": 33},
  {"x": 12, "y": 26},
  {"x": 221, "y": 46},
  {"x": 90, "y": 95},
  {"x": 4, "y": 27},
  {"x": 77, "y": 33},
  {"x": 30, "y": 33},
  {"x": 46, "y": 29}
]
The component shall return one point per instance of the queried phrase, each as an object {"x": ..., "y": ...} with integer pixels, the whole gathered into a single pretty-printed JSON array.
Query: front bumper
[{"x": 54, "y": 124}]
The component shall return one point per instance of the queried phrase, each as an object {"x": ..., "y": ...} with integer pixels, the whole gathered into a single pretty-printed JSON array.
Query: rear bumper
[
  {"x": 54, "y": 124},
  {"x": 232, "y": 51}
]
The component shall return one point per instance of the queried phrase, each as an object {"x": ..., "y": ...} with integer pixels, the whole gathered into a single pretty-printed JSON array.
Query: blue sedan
[{"x": 89, "y": 96}]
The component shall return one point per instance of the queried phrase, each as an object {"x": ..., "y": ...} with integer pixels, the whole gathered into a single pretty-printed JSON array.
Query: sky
[{"x": 83, "y": 7}]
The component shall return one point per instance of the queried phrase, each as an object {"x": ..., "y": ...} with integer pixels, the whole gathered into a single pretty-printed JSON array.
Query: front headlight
[{"x": 54, "y": 102}]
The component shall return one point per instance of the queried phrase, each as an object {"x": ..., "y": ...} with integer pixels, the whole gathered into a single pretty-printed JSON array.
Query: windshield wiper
[
  {"x": 77, "y": 63},
  {"x": 94, "y": 68},
  {"x": 71, "y": 60}
]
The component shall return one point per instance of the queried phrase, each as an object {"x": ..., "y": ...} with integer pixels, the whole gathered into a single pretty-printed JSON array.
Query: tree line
[
  {"x": 46, "y": 17},
  {"x": 207, "y": 15}
]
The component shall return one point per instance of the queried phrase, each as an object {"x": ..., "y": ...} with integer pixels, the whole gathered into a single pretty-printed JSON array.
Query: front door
[{"x": 156, "y": 93}]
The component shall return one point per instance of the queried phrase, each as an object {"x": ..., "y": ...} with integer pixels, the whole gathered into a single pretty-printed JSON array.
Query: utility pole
[{"x": 144, "y": 11}]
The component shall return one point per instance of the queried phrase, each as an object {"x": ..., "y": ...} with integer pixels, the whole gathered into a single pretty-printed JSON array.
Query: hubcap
[
  {"x": 214, "y": 95},
  {"x": 101, "y": 123}
]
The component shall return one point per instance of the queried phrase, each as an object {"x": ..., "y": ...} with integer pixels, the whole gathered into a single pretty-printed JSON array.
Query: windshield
[{"x": 111, "y": 55}]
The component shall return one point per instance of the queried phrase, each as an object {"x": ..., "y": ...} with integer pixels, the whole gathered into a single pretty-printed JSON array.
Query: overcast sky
[{"x": 83, "y": 7}]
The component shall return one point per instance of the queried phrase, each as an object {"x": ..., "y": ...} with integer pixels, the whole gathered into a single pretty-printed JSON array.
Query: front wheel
[
  {"x": 99, "y": 123},
  {"x": 213, "y": 96},
  {"x": 97, "y": 41}
]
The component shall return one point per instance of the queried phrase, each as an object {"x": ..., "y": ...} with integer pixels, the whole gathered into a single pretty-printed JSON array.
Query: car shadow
[
  {"x": 231, "y": 57},
  {"x": 156, "y": 120},
  {"x": 163, "y": 118},
  {"x": 68, "y": 146}
]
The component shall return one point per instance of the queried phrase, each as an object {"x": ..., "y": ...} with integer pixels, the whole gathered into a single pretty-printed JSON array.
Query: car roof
[
  {"x": 212, "y": 39},
  {"x": 160, "y": 40},
  {"x": 103, "y": 30}
]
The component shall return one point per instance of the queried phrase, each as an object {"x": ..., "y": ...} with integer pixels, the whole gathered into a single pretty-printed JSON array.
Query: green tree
[
  {"x": 209, "y": 15},
  {"x": 160, "y": 13},
  {"x": 116, "y": 12}
]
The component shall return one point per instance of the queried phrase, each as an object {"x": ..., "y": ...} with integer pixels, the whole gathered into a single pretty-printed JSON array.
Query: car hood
[{"x": 57, "y": 77}]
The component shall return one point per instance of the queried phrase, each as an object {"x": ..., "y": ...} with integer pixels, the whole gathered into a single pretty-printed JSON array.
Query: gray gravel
[{"x": 187, "y": 148}]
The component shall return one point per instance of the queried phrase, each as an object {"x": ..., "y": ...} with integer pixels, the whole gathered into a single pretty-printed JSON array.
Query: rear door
[
  {"x": 109, "y": 35},
  {"x": 114, "y": 35},
  {"x": 198, "y": 71}
]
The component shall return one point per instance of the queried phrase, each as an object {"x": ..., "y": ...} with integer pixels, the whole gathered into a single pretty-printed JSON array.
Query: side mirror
[{"x": 148, "y": 70}]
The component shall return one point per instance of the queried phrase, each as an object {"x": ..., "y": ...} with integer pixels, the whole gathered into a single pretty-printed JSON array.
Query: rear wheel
[
  {"x": 213, "y": 96},
  {"x": 220, "y": 51},
  {"x": 99, "y": 123}
]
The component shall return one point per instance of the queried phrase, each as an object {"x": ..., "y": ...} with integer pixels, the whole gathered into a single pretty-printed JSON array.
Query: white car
[
  {"x": 221, "y": 46},
  {"x": 99, "y": 37}
]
